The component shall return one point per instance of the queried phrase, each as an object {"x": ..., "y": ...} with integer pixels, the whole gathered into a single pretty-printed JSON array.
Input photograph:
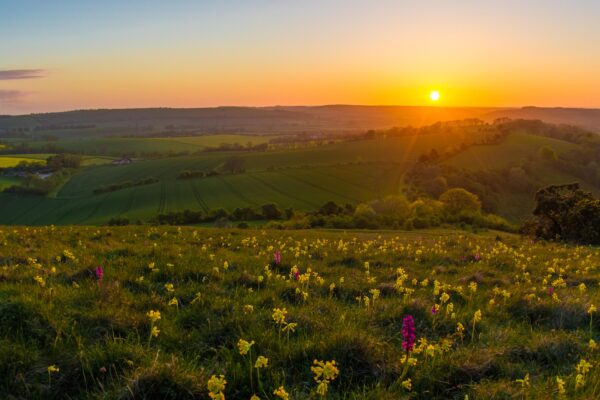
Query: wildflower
[
  {"x": 473, "y": 287},
  {"x": 407, "y": 384},
  {"x": 592, "y": 345},
  {"x": 40, "y": 280},
  {"x": 279, "y": 315},
  {"x": 244, "y": 346},
  {"x": 560, "y": 384},
  {"x": 550, "y": 291},
  {"x": 254, "y": 397},
  {"x": 460, "y": 328},
  {"x": 99, "y": 273},
  {"x": 248, "y": 309},
  {"x": 477, "y": 316},
  {"x": 444, "y": 297},
  {"x": 216, "y": 387},
  {"x": 408, "y": 332},
  {"x": 53, "y": 369},
  {"x": 170, "y": 288},
  {"x": 278, "y": 257},
  {"x": 591, "y": 309},
  {"x": 173, "y": 302},
  {"x": 261, "y": 362},
  {"x": 154, "y": 331},
  {"x": 324, "y": 372},
  {"x": 435, "y": 308},
  {"x": 281, "y": 393},
  {"x": 153, "y": 315}
]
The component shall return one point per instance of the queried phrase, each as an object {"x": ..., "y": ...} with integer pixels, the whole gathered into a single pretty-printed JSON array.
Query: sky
[{"x": 62, "y": 55}]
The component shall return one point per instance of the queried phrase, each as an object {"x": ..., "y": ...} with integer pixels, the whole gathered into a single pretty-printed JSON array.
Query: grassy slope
[
  {"x": 513, "y": 151},
  {"x": 97, "y": 335},
  {"x": 302, "y": 178}
]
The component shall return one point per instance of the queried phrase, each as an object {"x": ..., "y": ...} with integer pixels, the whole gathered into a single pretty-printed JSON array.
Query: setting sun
[{"x": 434, "y": 95}]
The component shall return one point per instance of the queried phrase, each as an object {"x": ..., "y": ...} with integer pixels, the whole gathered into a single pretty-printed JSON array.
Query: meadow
[{"x": 176, "y": 313}]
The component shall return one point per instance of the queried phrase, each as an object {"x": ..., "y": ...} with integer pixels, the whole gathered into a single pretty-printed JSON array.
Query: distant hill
[
  {"x": 250, "y": 120},
  {"x": 277, "y": 119},
  {"x": 584, "y": 117}
]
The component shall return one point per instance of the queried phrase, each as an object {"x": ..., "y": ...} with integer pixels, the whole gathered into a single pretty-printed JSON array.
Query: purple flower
[
  {"x": 99, "y": 273},
  {"x": 434, "y": 309},
  {"x": 277, "y": 257},
  {"x": 550, "y": 291},
  {"x": 477, "y": 257},
  {"x": 297, "y": 274},
  {"x": 408, "y": 332}
]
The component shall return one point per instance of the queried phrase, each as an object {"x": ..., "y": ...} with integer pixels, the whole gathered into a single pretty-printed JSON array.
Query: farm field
[
  {"x": 304, "y": 179},
  {"x": 119, "y": 145},
  {"x": 7, "y": 161},
  {"x": 516, "y": 148},
  {"x": 176, "y": 309}
]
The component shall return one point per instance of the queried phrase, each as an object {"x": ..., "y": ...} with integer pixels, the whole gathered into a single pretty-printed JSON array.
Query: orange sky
[{"x": 187, "y": 54}]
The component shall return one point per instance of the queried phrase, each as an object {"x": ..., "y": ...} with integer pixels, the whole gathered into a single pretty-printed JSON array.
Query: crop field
[
  {"x": 14, "y": 159},
  {"x": 303, "y": 179},
  {"x": 177, "y": 313},
  {"x": 516, "y": 148},
  {"x": 118, "y": 145}
]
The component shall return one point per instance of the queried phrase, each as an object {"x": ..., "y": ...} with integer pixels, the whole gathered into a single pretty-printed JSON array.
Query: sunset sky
[{"x": 61, "y": 55}]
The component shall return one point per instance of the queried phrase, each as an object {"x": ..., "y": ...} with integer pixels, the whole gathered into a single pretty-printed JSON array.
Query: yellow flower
[
  {"x": 444, "y": 297},
  {"x": 254, "y": 397},
  {"x": 407, "y": 384},
  {"x": 291, "y": 327},
  {"x": 325, "y": 370},
  {"x": 216, "y": 386},
  {"x": 173, "y": 302},
  {"x": 244, "y": 346},
  {"x": 560, "y": 385},
  {"x": 279, "y": 315},
  {"x": 53, "y": 369},
  {"x": 170, "y": 288},
  {"x": 583, "y": 367},
  {"x": 248, "y": 309},
  {"x": 473, "y": 287},
  {"x": 592, "y": 345},
  {"x": 40, "y": 280},
  {"x": 155, "y": 331},
  {"x": 322, "y": 388},
  {"x": 153, "y": 315},
  {"x": 261, "y": 362},
  {"x": 579, "y": 381},
  {"x": 592, "y": 309},
  {"x": 281, "y": 393},
  {"x": 477, "y": 316}
]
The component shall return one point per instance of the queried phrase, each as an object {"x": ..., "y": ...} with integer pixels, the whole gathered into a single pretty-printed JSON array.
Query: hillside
[{"x": 170, "y": 306}]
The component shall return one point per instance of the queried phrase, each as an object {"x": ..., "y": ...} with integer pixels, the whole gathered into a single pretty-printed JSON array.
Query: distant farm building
[{"x": 122, "y": 161}]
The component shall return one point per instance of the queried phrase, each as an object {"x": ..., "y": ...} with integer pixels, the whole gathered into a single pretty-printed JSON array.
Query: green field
[
  {"x": 66, "y": 334},
  {"x": 303, "y": 179},
  {"x": 516, "y": 148},
  {"x": 120, "y": 145}
]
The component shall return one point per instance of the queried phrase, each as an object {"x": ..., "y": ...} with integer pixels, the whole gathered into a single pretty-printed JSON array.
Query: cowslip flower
[
  {"x": 281, "y": 393},
  {"x": 216, "y": 387},
  {"x": 408, "y": 332},
  {"x": 153, "y": 315},
  {"x": 244, "y": 346},
  {"x": 407, "y": 384},
  {"x": 261, "y": 362}
]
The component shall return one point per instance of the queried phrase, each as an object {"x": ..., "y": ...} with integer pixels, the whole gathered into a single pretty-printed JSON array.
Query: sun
[{"x": 434, "y": 95}]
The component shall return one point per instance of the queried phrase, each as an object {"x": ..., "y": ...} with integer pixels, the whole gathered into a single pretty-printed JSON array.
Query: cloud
[
  {"x": 10, "y": 96},
  {"x": 10, "y": 74}
]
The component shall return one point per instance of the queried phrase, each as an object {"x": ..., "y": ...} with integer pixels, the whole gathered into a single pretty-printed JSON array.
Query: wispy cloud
[
  {"x": 10, "y": 96},
  {"x": 9, "y": 74}
]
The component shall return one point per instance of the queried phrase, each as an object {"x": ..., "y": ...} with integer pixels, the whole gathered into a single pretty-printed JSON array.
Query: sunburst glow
[{"x": 434, "y": 95}]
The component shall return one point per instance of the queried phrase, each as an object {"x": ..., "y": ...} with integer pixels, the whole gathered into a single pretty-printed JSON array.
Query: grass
[
  {"x": 512, "y": 151},
  {"x": 6, "y": 181},
  {"x": 302, "y": 178},
  {"x": 225, "y": 286}
]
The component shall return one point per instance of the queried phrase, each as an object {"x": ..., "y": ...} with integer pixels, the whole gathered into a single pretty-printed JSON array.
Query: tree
[
  {"x": 271, "y": 211},
  {"x": 331, "y": 208},
  {"x": 458, "y": 200},
  {"x": 565, "y": 212},
  {"x": 547, "y": 153}
]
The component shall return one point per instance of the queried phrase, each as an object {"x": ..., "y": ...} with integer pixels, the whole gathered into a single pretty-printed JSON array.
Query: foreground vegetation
[{"x": 144, "y": 312}]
